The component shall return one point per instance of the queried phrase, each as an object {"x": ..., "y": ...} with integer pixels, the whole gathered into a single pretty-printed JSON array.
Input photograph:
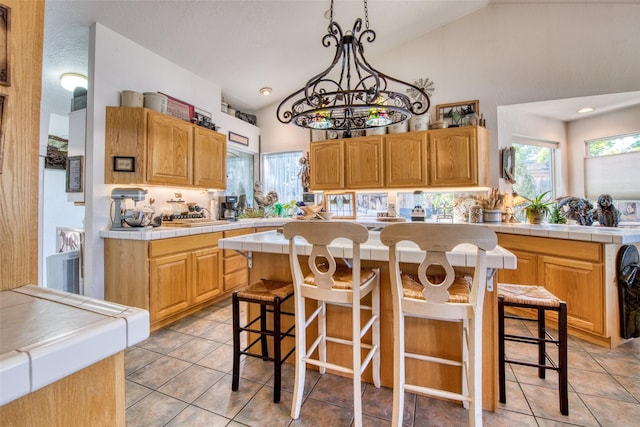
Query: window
[
  {"x": 434, "y": 204},
  {"x": 240, "y": 177},
  {"x": 369, "y": 204},
  {"x": 611, "y": 167},
  {"x": 534, "y": 170},
  {"x": 619, "y": 144},
  {"x": 280, "y": 172}
]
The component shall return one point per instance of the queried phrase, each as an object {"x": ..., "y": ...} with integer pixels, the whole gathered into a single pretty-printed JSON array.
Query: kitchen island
[
  {"x": 268, "y": 258},
  {"x": 577, "y": 263}
]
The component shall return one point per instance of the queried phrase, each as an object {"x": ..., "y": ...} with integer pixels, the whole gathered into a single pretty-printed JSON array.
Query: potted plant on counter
[{"x": 538, "y": 208}]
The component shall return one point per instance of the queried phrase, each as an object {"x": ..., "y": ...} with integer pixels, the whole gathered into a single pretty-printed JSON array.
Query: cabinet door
[
  {"x": 453, "y": 157},
  {"x": 236, "y": 269},
  {"x": 169, "y": 282},
  {"x": 579, "y": 284},
  {"x": 210, "y": 159},
  {"x": 406, "y": 160},
  {"x": 525, "y": 274},
  {"x": 170, "y": 150},
  {"x": 206, "y": 274},
  {"x": 363, "y": 161},
  {"x": 327, "y": 165}
]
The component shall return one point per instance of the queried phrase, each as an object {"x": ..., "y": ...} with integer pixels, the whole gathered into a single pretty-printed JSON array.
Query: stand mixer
[{"x": 119, "y": 195}]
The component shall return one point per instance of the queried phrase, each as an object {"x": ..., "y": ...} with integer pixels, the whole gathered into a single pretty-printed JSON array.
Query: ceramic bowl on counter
[{"x": 138, "y": 217}]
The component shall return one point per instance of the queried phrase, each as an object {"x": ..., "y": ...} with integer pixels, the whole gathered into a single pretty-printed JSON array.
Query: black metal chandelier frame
[{"x": 338, "y": 104}]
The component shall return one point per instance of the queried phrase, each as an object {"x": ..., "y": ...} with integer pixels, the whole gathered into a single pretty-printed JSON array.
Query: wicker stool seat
[
  {"x": 541, "y": 300},
  {"x": 269, "y": 295}
]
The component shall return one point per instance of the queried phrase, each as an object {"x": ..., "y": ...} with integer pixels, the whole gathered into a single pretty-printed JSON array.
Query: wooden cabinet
[
  {"x": 571, "y": 270},
  {"x": 209, "y": 147},
  {"x": 327, "y": 165},
  {"x": 166, "y": 150},
  {"x": 236, "y": 268},
  {"x": 363, "y": 162},
  {"x": 458, "y": 157},
  {"x": 406, "y": 160},
  {"x": 169, "y": 150},
  {"x": 170, "y": 277}
]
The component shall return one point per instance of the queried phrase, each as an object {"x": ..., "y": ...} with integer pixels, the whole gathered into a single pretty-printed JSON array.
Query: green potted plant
[{"x": 538, "y": 208}]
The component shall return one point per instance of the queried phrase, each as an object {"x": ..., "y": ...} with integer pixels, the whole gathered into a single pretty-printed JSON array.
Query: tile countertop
[
  {"x": 558, "y": 231},
  {"x": 373, "y": 249},
  {"x": 46, "y": 335}
]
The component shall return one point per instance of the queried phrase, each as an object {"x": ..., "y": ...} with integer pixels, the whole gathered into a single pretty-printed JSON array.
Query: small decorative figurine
[
  {"x": 261, "y": 200},
  {"x": 577, "y": 209},
  {"x": 606, "y": 213}
]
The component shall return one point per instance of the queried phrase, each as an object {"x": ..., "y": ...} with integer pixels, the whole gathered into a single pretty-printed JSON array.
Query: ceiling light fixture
[
  {"x": 357, "y": 96},
  {"x": 585, "y": 110},
  {"x": 70, "y": 81},
  {"x": 266, "y": 91}
]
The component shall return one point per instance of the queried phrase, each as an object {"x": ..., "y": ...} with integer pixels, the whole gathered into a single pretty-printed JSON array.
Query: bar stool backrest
[{"x": 322, "y": 263}]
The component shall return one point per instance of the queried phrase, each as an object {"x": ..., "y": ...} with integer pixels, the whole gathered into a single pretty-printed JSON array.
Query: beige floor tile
[
  {"x": 192, "y": 416},
  {"x": 516, "y": 400},
  {"x": 598, "y": 384},
  {"x": 504, "y": 418},
  {"x": 631, "y": 384},
  {"x": 545, "y": 403},
  {"x": 256, "y": 370},
  {"x": 261, "y": 411},
  {"x": 221, "y": 400},
  {"x": 613, "y": 413},
  {"x": 315, "y": 413},
  {"x": 154, "y": 410},
  {"x": 220, "y": 332},
  {"x": 158, "y": 372},
  {"x": 164, "y": 341},
  {"x": 134, "y": 393},
  {"x": 137, "y": 357},
  {"x": 220, "y": 359},
  {"x": 619, "y": 363},
  {"x": 378, "y": 402},
  {"x": 195, "y": 349},
  {"x": 191, "y": 325},
  {"x": 335, "y": 390},
  {"x": 191, "y": 383},
  {"x": 435, "y": 412}
]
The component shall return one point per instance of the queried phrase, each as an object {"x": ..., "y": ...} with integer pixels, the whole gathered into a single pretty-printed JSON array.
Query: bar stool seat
[
  {"x": 541, "y": 300},
  {"x": 269, "y": 295}
]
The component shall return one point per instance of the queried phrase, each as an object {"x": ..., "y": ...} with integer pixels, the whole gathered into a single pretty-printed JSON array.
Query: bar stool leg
[
  {"x": 236, "y": 342},
  {"x": 501, "y": 356},
  {"x": 277, "y": 368},
  {"x": 563, "y": 362},
  {"x": 263, "y": 327},
  {"x": 542, "y": 347}
]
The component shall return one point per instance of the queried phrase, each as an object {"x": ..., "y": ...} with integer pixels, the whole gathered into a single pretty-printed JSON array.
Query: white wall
[
  {"x": 116, "y": 64},
  {"x": 509, "y": 54}
]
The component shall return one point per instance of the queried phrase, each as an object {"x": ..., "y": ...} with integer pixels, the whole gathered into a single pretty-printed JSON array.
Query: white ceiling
[
  {"x": 243, "y": 45},
  {"x": 240, "y": 45}
]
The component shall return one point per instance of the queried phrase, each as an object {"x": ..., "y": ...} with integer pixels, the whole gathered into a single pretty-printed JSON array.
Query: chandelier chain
[{"x": 366, "y": 15}]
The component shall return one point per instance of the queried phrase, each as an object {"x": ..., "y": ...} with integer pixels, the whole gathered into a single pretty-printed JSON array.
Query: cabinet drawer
[
  {"x": 183, "y": 244},
  {"x": 236, "y": 279},
  {"x": 233, "y": 263}
]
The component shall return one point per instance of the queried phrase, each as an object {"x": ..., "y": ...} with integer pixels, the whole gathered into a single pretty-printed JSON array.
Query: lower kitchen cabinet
[
  {"x": 170, "y": 277},
  {"x": 571, "y": 270},
  {"x": 236, "y": 267}
]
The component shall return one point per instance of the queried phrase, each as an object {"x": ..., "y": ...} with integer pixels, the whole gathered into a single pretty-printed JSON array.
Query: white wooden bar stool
[
  {"x": 330, "y": 283},
  {"x": 438, "y": 292}
]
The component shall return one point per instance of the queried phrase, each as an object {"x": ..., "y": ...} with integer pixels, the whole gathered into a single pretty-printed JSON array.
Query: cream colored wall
[{"x": 508, "y": 54}]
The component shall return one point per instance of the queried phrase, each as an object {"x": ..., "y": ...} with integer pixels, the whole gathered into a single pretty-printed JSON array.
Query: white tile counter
[
  {"x": 558, "y": 231},
  {"x": 46, "y": 335},
  {"x": 373, "y": 249}
]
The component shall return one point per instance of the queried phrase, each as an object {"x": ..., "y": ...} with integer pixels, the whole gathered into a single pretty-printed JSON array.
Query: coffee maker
[{"x": 228, "y": 208}]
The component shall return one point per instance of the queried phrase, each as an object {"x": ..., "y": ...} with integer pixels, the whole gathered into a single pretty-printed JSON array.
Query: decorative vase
[
  {"x": 535, "y": 216},
  {"x": 492, "y": 215}
]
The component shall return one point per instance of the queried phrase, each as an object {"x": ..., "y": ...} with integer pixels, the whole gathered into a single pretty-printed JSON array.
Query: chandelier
[{"x": 350, "y": 94}]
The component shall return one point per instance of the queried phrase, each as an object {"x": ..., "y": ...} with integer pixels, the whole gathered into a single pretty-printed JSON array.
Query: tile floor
[{"x": 181, "y": 376}]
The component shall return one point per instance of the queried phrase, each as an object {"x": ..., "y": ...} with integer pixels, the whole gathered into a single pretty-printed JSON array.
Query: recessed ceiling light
[
  {"x": 266, "y": 91},
  {"x": 585, "y": 110},
  {"x": 70, "y": 81}
]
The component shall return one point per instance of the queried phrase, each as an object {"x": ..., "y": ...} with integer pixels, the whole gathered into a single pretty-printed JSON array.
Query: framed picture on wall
[
  {"x": 234, "y": 137},
  {"x": 459, "y": 113},
  {"x": 74, "y": 174}
]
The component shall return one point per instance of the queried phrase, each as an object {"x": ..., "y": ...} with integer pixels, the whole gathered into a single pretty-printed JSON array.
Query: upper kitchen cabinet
[
  {"x": 327, "y": 165},
  {"x": 458, "y": 157},
  {"x": 165, "y": 150},
  {"x": 406, "y": 160},
  {"x": 363, "y": 162},
  {"x": 208, "y": 169},
  {"x": 169, "y": 150}
]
